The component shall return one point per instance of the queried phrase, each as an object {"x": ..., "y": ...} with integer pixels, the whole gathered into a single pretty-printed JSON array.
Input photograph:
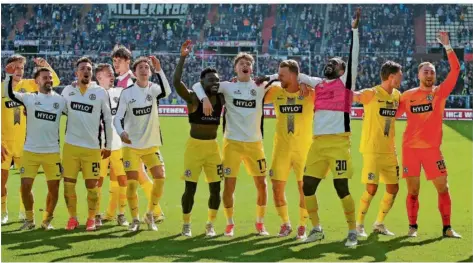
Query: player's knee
[
  {"x": 100, "y": 182},
  {"x": 157, "y": 172},
  {"x": 310, "y": 185},
  {"x": 26, "y": 185},
  {"x": 91, "y": 183},
  {"x": 121, "y": 180},
  {"x": 392, "y": 188},
  {"x": 371, "y": 189},
  {"x": 341, "y": 186}
]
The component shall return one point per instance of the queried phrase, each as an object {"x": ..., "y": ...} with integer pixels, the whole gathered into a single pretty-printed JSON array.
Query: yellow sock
[
  {"x": 228, "y": 212},
  {"x": 71, "y": 198},
  {"x": 283, "y": 213},
  {"x": 349, "y": 208},
  {"x": 4, "y": 204},
  {"x": 158, "y": 188},
  {"x": 186, "y": 218},
  {"x": 132, "y": 197},
  {"x": 211, "y": 215},
  {"x": 157, "y": 210},
  {"x": 365, "y": 202},
  {"x": 147, "y": 188},
  {"x": 92, "y": 197},
  {"x": 22, "y": 206},
  {"x": 46, "y": 215},
  {"x": 260, "y": 212},
  {"x": 303, "y": 215},
  {"x": 386, "y": 204},
  {"x": 29, "y": 215},
  {"x": 99, "y": 198},
  {"x": 114, "y": 193},
  {"x": 122, "y": 199},
  {"x": 312, "y": 209}
]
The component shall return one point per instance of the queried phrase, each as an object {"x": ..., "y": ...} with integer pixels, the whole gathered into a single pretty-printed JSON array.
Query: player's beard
[
  {"x": 428, "y": 83},
  {"x": 85, "y": 81},
  {"x": 330, "y": 72},
  {"x": 284, "y": 85},
  {"x": 47, "y": 87}
]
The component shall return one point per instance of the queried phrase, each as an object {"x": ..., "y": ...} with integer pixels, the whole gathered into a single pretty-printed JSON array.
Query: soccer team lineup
[{"x": 113, "y": 132}]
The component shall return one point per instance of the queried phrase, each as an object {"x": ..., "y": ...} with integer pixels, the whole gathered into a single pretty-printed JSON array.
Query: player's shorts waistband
[
  {"x": 234, "y": 141},
  {"x": 202, "y": 142},
  {"x": 81, "y": 147},
  {"x": 341, "y": 136}
]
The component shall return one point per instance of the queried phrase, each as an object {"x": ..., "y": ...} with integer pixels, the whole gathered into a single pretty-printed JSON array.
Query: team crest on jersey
[
  {"x": 72, "y": 93},
  {"x": 92, "y": 97},
  {"x": 115, "y": 99},
  {"x": 300, "y": 97},
  {"x": 56, "y": 105},
  {"x": 148, "y": 97},
  {"x": 22, "y": 170},
  {"x": 127, "y": 164},
  {"x": 188, "y": 173},
  {"x": 430, "y": 97},
  {"x": 228, "y": 171},
  {"x": 253, "y": 92},
  {"x": 396, "y": 103},
  {"x": 370, "y": 176}
]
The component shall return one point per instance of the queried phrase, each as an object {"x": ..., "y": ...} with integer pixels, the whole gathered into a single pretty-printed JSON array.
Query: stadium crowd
[{"x": 93, "y": 32}]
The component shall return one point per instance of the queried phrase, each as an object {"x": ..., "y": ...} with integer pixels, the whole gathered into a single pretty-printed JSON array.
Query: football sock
[
  {"x": 211, "y": 215},
  {"x": 71, "y": 198},
  {"x": 92, "y": 198},
  {"x": 132, "y": 197},
  {"x": 303, "y": 215},
  {"x": 99, "y": 198},
  {"x": 158, "y": 188},
  {"x": 365, "y": 202},
  {"x": 114, "y": 193},
  {"x": 283, "y": 213},
  {"x": 312, "y": 209},
  {"x": 412, "y": 205},
  {"x": 349, "y": 209},
  {"x": 385, "y": 206},
  {"x": 228, "y": 212},
  {"x": 186, "y": 218},
  {"x": 445, "y": 207},
  {"x": 122, "y": 199},
  {"x": 260, "y": 212}
]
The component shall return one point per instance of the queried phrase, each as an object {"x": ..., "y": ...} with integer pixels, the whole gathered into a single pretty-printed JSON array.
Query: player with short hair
[
  {"x": 378, "y": 145},
  {"x": 105, "y": 78},
  {"x": 41, "y": 148},
  {"x": 243, "y": 126},
  {"x": 202, "y": 150},
  {"x": 292, "y": 139},
  {"x": 122, "y": 57},
  {"x": 88, "y": 112},
  {"x": 424, "y": 107},
  {"x": 14, "y": 125},
  {"x": 141, "y": 135}
]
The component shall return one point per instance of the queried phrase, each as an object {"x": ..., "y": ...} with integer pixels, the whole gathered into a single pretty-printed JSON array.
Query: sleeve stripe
[
  {"x": 161, "y": 85},
  {"x": 349, "y": 66},
  {"x": 10, "y": 92}
]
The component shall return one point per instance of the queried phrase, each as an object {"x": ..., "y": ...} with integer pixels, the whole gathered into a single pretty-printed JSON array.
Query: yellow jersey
[
  {"x": 294, "y": 114},
  {"x": 13, "y": 116},
  {"x": 377, "y": 135}
]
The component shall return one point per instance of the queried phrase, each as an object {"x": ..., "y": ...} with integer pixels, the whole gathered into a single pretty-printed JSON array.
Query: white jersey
[
  {"x": 42, "y": 120},
  {"x": 138, "y": 107},
  {"x": 87, "y": 115},
  {"x": 329, "y": 121},
  {"x": 114, "y": 94},
  {"x": 243, "y": 115}
]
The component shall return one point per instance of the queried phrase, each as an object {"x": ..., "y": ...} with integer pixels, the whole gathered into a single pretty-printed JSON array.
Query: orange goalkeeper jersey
[{"x": 424, "y": 110}]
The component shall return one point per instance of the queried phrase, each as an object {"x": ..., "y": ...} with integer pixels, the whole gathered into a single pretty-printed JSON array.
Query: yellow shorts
[
  {"x": 51, "y": 163},
  {"x": 329, "y": 153},
  {"x": 76, "y": 158},
  {"x": 380, "y": 166},
  {"x": 251, "y": 153},
  {"x": 283, "y": 160},
  {"x": 115, "y": 162},
  {"x": 14, "y": 153},
  {"x": 202, "y": 154},
  {"x": 132, "y": 158}
]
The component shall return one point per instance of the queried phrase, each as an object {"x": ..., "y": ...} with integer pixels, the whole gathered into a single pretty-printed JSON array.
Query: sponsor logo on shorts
[
  {"x": 387, "y": 112},
  {"x": 271, "y": 173},
  {"x": 142, "y": 111},
  {"x": 422, "y": 108},
  {"x": 126, "y": 164},
  {"x": 244, "y": 103},
  {"x": 406, "y": 170},
  {"x": 370, "y": 176},
  {"x": 290, "y": 108},
  {"x": 45, "y": 116},
  {"x": 92, "y": 97},
  {"x": 11, "y": 104},
  {"x": 228, "y": 171},
  {"x": 82, "y": 107},
  {"x": 188, "y": 173}
]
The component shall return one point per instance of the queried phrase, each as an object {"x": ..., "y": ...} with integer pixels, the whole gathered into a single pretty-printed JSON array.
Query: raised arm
[
  {"x": 353, "y": 57},
  {"x": 7, "y": 86},
  {"x": 447, "y": 86},
  {"x": 165, "y": 90},
  {"x": 181, "y": 88},
  {"x": 363, "y": 96}
]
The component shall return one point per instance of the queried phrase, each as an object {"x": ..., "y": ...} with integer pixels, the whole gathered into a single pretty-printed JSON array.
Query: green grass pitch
[{"x": 113, "y": 243}]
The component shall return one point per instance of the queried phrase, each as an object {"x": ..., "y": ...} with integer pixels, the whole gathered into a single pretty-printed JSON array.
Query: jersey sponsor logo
[
  {"x": 210, "y": 118},
  {"x": 82, "y": 107},
  {"x": 387, "y": 112},
  {"x": 422, "y": 108},
  {"x": 45, "y": 115},
  {"x": 290, "y": 108},
  {"x": 114, "y": 111},
  {"x": 244, "y": 103},
  {"x": 12, "y": 104},
  {"x": 142, "y": 111}
]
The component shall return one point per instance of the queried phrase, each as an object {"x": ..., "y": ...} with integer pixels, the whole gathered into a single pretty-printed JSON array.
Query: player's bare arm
[{"x": 181, "y": 88}]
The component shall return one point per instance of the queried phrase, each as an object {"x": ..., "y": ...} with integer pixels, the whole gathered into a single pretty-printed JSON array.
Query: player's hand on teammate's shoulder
[
  {"x": 356, "y": 20},
  {"x": 207, "y": 107},
  {"x": 10, "y": 68},
  {"x": 260, "y": 79},
  {"x": 186, "y": 48},
  {"x": 105, "y": 153},
  {"x": 304, "y": 90},
  {"x": 125, "y": 138},
  {"x": 156, "y": 63}
]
